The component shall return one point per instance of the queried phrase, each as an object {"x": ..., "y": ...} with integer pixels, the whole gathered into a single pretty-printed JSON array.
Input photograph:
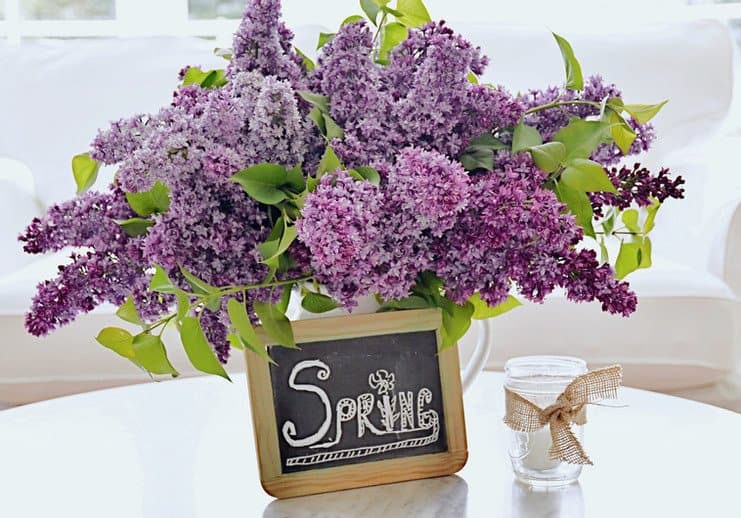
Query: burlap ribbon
[{"x": 524, "y": 416}]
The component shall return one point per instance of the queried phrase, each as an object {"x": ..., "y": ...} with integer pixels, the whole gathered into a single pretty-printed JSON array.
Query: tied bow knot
[{"x": 523, "y": 415}]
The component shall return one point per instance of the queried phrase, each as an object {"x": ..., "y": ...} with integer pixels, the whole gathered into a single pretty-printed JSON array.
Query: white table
[{"x": 185, "y": 449}]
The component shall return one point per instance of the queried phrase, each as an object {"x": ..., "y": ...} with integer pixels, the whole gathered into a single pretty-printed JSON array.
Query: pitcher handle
[{"x": 480, "y": 354}]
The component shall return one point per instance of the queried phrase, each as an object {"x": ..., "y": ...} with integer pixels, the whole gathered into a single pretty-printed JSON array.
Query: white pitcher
[{"x": 368, "y": 304}]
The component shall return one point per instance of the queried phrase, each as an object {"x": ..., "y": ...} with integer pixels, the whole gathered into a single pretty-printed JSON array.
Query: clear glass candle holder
[{"x": 540, "y": 380}]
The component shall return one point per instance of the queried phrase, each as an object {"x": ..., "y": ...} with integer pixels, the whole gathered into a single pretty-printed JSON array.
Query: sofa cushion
[{"x": 18, "y": 206}]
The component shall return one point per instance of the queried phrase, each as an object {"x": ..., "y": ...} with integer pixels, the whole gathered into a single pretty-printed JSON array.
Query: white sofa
[{"x": 686, "y": 333}]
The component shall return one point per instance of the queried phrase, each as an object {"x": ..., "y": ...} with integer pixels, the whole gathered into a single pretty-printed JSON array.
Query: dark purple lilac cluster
[{"x": 637, "y": 185}]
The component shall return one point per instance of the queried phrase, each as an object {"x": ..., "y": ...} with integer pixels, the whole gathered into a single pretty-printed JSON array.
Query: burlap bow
[{"x": 524, "y": 416}]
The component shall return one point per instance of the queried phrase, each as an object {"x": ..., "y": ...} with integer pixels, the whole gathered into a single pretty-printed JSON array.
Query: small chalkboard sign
[{"x": 367, "y": 400}]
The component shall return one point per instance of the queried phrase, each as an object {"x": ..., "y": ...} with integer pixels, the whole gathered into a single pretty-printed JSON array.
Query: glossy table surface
[{"x": 184, "y": 448}]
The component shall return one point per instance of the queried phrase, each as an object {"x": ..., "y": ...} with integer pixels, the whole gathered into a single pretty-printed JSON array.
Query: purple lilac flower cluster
[
  {"x": 422, "y": 98},
  {"x": 637, "y": 185},
  {"x": 411, "y": 118}
]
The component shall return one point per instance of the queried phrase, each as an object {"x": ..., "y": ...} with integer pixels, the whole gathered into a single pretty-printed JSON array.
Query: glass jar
[{"x": 540, "y": 380}]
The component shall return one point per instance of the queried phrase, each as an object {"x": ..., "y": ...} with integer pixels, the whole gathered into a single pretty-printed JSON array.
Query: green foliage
[
  {"x": 324, "y": 38},
  {"x": 549, "y": 156},
  {"x": 371, "y": 8},
  {"x": 118, "y": 340},
  {"x": 150, "y": 355},
  {"x": 318, "y": 303},
  {"x": 198, "y": 349},
  {"x": 587, "y": 176},
  {"x": 199, "y": 286},
  {"x": 621, "y": 132},
  {"x": 391, "y": 35},
  {"x": 275, "y": 323},
  {"x": 579, "y": 205},
  {"x": 413, "y": 13},
  {"x": 308, "y": 63},
  {"x": 135, "y": 226},
  {"x": 480, "y": 152},
  {"x": 525, "y": 137},
  {"x": 128, "y": 312},
  {"x": 482, "y": 310},
  {"x": 160, "y": 282},
  {"x": 574, "y": 77},
  {"x": 85, "y": 171},
  {"x": 582, "y": 137},
  {"x": 263, "y": 182},
  {"x": 154, "y": 201},
  {"x": 204, "y": 78},
  {"x": 320, "y": 115},
  {"x": 643, "y": 113},
  {"x": 245, "y": 335},
  {"x": 368, "y": 174},
  {"x": 329, "y": 163},
  {"x": 456, "y": 321}
]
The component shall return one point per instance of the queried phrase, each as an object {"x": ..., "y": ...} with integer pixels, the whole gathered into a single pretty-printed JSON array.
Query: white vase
[{"x": 368, "y": 304}]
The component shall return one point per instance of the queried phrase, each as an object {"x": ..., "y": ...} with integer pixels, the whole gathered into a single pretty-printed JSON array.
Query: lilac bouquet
[{"x": 383, "y": 169}]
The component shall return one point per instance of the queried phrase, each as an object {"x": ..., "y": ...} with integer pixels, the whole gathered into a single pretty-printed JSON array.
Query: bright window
[{"x": 68, "y": 9}]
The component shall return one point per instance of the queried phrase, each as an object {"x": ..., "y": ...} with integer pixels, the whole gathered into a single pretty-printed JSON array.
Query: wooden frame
[{"x": 284, "y": 485}]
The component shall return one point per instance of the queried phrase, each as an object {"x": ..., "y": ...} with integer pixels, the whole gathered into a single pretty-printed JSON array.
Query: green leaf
[
  {"x": 413, "y": 13},
  {"x": 369, "y": 174},
  {"x": 579, "y": 205},
  {"x": 270, "y": 246},
  {"x": 135, "y": 226},
  {"x": 150, "y": 354},
  {"x": 160, "y": 282},
  {"x": 456, "y": 321},
  {"x": 118, "y": 340},
  {"x": 245, "y": 332},
  {"x": 393, "y": 12},
  {"x": 285, "y": 298},
  {"x": 85, "y": 170},
  {"x": 604, "y": 254},
  {"x": 154, "y": 201},
  {"x": 586, "y": 176},
  {"x": 630, "y": 220},
  {"x": 645, "y": 253},
  {"x": 275, "y": 323},
  {"x": 642, "y": 113},
  {"x": 472, "y": 78},
  {"x": 574, "y": 78},
  {"x": 308, "y": 63},
  {"x": 411, "y": 302},
  {"x": 183, "y": 305},
  {"x": 324, "y": 38},
  {"x": 482, "y": 310},
  {"x": 621, "y": 133},
  {"x": 525, "y": 137},
  {"x": 128, "y": 312},
  {"x": 199, "y": 350},
  {"x": 317, "y": 115},
  {"x": 318, "y": 303},
  {"x": 204, "y": 78},
  {"x": 549, "y": 156},
  {"x": 235, "y": 341},
  {"x": 320, "y": 101},
  {"x": 225, "y": 53},
  {"x": 332, "y": 129},
  {"x": 628, "y": 260},
  {"x": 582, "y": 137},
  {"x": 262, "y": 182},
  {"x": 287, "y": 238},
  {"x": 199, "y": 286},
  {"x": 351, "y": 19},
  {"x": 371, "y": 9},
  {"x": 214, "y": 79},
  {"x": 391, "y": 35},
  {"x": 295, "y": 179},
  {"x": 329, "y": 162},
  {"x": 652, "y": 209},
  {"x": 478, "y": 158}
]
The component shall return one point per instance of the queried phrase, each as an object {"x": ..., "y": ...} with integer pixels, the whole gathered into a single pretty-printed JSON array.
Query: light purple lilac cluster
[{"x": 411, "y": 118}]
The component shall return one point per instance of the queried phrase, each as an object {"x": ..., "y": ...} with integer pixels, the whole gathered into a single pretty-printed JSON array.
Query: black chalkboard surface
[
  {"x": 358, "y": 400},
  {"x": 366, "y": 400}
]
